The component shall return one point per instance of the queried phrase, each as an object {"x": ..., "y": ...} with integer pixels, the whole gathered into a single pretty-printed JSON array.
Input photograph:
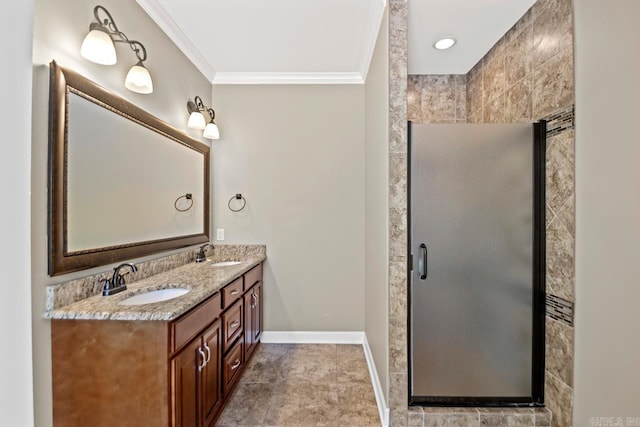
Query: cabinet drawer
[
  {"x": 253, "y": 276},
  {"x": 232, "y": 323},
  {"x": 231, "y": 293},
  {"x": 194, "y": 321},
  {"x": 232, "y": 365}
]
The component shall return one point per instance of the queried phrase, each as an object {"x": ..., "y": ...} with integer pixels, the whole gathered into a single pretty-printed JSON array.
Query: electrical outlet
[{"x": 220, "y": 234}]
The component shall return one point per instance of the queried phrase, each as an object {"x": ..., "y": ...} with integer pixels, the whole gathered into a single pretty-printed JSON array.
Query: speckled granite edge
[
  {"x": 231, "y": 251},
  {"x": 67, "y": 293}
]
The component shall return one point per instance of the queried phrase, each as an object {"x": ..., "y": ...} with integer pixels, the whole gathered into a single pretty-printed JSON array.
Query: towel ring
[
  {"x": 237, "y": 197},
  {"x": 187, "y": 196}
]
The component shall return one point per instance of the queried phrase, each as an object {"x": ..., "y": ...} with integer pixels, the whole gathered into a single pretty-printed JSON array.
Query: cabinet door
[
  {"x": 184, "y": 382},
  {"x": 249, "y": 323},
  {"x": 257, "y": 329},
  {"x": 211, "y": 373}
]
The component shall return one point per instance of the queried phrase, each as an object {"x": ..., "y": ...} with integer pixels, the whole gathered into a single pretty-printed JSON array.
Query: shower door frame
[{"x": 539, "y": 130}]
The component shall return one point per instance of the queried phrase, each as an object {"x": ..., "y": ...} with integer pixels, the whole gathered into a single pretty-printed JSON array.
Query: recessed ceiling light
[{"x": 444, "y": 43}]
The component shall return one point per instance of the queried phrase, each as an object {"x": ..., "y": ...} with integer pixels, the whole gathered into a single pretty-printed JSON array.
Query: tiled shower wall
[
  {"x": 437, "y": 98},
  {"x": 398, "y": 371},
  {"x": 526, "y": 76}
]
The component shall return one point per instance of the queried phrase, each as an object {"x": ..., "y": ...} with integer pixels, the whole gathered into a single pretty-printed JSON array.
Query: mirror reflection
[
  {"x": 123, "y": 183},
  {"x": 116, "y": 197}
]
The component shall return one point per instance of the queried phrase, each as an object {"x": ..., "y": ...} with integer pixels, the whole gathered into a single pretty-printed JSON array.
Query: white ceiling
[
  {"x": 324, "y": 41},
  {"x": 267, "y": 41}
]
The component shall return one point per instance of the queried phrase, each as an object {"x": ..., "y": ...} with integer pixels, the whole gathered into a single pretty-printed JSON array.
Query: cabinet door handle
[
  {"x": 204, "y": 362},
  {"x": 254, "y": 297},
  {"x": 235, "y": 365},
  {"x": 234, "y": 324},
  {"x": 235, "y": 292},
  {"x": 208, "y": 354}
]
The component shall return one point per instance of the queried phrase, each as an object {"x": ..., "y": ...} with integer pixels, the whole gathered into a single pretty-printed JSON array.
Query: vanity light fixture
[
  {"x": 197, "y": 120},
  {"x": 444, "y": 43},
  {"x": 99, "y": 47}
]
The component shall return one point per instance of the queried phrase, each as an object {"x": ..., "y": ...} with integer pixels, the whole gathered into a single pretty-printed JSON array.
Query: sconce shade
[
  {"x": 138, "y": 79},
  {"x": 98, "y": 47},
  {"x": 196, "y": 120},
  {"x": 211, "y": 131}
]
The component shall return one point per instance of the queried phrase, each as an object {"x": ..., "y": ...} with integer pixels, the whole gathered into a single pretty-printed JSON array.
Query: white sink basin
[
  {"x": 225, "y": 263},
  {"x": 154, "y": 296}
]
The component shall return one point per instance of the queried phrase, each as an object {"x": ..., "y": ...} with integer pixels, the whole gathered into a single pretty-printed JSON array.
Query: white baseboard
[
  {"x": 355, "y": 337},
  {"x": 312, "y": 337},
  {"x": 383, "y": 409}
]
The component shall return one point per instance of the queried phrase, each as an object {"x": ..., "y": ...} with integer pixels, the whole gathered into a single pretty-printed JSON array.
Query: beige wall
[
  {"x": 607, "y": 375},
  {"x": 16, "y": 391},
  {"x": 377, "y": 204},
  {"x": 59, "y": 28},
  {"x": 296, "y": 153}
]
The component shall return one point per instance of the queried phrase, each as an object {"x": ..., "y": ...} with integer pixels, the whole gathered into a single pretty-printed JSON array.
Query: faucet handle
[
  {"x": 202, "y": 256},
  {"x": 120, "y": 279}
]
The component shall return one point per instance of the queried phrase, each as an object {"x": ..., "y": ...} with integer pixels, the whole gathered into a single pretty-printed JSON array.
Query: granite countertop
[{"x": 202, "y": 279}]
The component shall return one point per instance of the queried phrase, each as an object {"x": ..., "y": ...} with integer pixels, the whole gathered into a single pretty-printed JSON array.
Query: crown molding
[
  {"x": 287, "y": 78},
  {"x": 375, "y": 20},
  {"x": 171, "y": 29}
]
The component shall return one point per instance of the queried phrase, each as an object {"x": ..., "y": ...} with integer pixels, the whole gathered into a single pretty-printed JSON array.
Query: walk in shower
[{"x": 476, "y": 246}]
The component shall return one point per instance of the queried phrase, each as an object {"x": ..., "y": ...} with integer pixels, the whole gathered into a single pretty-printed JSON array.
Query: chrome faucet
[
  {"x": 202, "y": 256},
  {"x": 116, "y": 283}
]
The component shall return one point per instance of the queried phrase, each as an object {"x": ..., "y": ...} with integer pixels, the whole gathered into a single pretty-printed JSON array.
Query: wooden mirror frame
[{"x": 62, "y": 82}]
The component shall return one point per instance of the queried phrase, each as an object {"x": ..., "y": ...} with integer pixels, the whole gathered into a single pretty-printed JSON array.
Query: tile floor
[{"x": 304, "y": 385}]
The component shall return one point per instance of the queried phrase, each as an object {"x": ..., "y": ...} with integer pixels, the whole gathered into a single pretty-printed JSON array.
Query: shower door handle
[{"x": 422, "y": 262}]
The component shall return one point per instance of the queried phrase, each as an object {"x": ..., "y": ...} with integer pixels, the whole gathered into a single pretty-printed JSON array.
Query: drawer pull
[
  {"x": 235, "y": 292},
  {"x": 204, "y": 362},
  {"x": 208, "y": 354},
  {"x": 234, "y": 324},
  {"x": 235, "y": 365}
]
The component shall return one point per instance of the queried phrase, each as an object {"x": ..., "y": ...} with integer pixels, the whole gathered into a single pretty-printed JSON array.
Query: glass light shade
[
  {"x": 138, "y": 79},
  {"x": 98, "y": 47},
  {"x": 444, "y": 43},
  {"x": 211, "y": 131},
  {"x": 196, "y": 120}
]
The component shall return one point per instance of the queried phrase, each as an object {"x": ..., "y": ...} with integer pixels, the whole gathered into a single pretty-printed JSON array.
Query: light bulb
[
  {"x": 139, "y": 80},
  {"x": 211, "y": 131},
  {"x": 98, "y": 47},
  {"x": 196, "y": 120},
  {"x": 444, "y": 43}
]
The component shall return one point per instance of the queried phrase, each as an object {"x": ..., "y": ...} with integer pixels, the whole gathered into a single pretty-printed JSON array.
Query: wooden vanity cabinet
[{"x": 156, "y": 373}]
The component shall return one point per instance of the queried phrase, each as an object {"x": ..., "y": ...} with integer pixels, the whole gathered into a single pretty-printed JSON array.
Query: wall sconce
[
  {"x": 197, "y": 121},
  {"x": 98, "y": 46}
]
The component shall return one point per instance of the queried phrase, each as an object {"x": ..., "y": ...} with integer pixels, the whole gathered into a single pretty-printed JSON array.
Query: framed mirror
[{"x": 122, "y": 183}]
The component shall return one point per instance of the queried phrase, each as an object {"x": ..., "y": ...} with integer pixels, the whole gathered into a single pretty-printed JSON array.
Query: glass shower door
[{"x": 472, "y": 225}]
